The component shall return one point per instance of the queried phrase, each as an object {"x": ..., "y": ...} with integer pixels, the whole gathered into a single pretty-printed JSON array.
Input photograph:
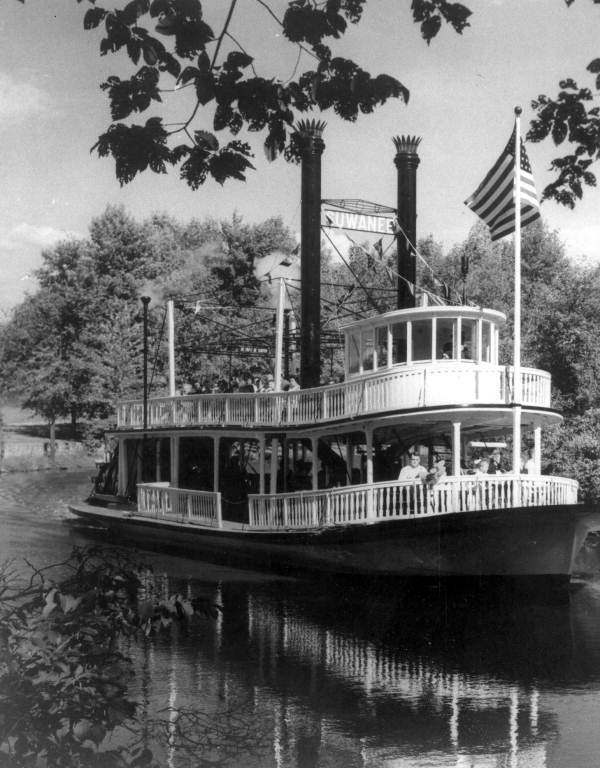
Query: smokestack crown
[{"x": 406, "y": 145}]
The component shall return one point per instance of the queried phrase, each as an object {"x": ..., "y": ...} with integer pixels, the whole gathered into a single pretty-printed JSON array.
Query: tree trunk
[
  {"x": 74, "y": 422},
  {"x": 52, "y": 427}
]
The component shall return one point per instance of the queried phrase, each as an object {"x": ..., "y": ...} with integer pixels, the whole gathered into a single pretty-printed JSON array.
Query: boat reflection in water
[{"x": 291, "y": 676}]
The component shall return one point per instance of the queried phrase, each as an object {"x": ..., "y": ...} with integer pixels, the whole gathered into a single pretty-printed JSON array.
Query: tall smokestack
[
  {"x": 406, "y": 161},
  {"x": 309, "y": 134}
]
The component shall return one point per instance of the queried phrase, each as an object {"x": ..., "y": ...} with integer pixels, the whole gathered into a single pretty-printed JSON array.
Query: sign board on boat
[{"x": 363, "y": 222}]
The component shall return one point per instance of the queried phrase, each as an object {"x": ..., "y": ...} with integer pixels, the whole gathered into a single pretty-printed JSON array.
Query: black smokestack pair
[{"x": 310, "y": 140}]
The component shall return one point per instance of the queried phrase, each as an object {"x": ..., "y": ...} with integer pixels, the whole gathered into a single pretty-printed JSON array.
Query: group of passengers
[
  {"x": 245, "y": 381},
  {"x": 487, "y": 464}
]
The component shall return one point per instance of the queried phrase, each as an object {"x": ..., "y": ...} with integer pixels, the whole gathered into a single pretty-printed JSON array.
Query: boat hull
[{"x": 517, "y": 542}]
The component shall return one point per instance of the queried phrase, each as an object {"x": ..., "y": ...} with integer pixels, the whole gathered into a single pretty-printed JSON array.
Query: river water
[{"x": 300, "y": 674}]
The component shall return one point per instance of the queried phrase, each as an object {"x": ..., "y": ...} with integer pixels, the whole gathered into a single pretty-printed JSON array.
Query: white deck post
[
  {"x": 537, "y": 449},
  {"x": 456, "y": 470},
  {"x": 274, "y": 463},
  {"x": 261, "y": 465},
  {"x": 456, "y": 448},
  {"x": 369, "y": 442}
]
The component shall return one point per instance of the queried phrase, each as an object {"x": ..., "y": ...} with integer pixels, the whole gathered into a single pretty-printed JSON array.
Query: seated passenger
[{"x": 413, "y": 470}]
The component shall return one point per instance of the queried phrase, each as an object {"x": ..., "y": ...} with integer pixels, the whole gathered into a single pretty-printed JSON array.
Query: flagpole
[{"x": 517, "y": 393}]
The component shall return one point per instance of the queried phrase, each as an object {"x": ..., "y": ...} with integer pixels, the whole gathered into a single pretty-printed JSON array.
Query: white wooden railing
[
  {"x": 403, "y": 500},
  {"x": 354, "y": 504},
  {"x": 160, "y": 501},
  {"x": 420, "y": 386}
]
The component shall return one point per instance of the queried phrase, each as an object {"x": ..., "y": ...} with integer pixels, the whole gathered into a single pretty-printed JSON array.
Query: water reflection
[
  {"x": 295, "y": 674},
  {"x": 344, "y": 678}
]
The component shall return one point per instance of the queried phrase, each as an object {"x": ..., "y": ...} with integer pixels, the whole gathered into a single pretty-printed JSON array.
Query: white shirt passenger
[{"x": 413, "y": 470}]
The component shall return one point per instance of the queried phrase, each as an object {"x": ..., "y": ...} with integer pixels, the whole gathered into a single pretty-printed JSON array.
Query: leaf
[
  {"x": 92, "y": 17},
  {"x": 208, "y": 139},
  {"x": 68, "y": 603},
  {"x": 50, "y": 602},
  {"x": 594, "y": 66}
]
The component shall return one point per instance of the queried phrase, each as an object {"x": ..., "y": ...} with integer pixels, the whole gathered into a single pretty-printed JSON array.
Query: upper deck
[{"x": 403, "y": 360}]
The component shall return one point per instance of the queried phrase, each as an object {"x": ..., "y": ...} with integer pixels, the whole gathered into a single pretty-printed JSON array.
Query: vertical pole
[
  {"x": 171, "y": 337},
  {"x": 286, "y": 343},
  {"x": 537, "y": 449},
  {"x": 174, "y": 462},
  {"x": 216, "y": 465},
  {"x": 309, "y": 135},
  {"x": 279, "y": 335},
  {"x": 369, "y": 478},
  {"x": 122, "y": 479},
  {"x": 314, "y": 449},
  {"x": 145, "y": 302},
  {"x": 516, "y": 458},
  {"x": 407, "y": 161},
  {"x": 274, "y": 465},
  {"x": 261, "y": 465}
]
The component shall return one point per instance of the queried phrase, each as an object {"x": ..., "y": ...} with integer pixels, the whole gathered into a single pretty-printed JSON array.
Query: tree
[
  {"x": 185, "y": 53},
  {"x": 63, "y": 680}
]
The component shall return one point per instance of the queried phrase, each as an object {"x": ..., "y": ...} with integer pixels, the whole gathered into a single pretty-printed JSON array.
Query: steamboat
[{"x": 312, "y": 479}]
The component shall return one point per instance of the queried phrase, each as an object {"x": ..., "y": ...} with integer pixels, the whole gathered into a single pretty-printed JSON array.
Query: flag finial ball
[{"x": 518, "y": 111}]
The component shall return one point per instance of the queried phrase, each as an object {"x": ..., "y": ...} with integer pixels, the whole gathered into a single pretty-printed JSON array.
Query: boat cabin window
[
  {"x": 399, "y": 343},
  {"x": 353, "y": 353},
  {"x": 421, "y": 340},
  {"x": 367, "y": 349},
  {"x": 445, "y": 342},
  {"x": 381, "y": 346},
  {"x": 468, "y": 339}
]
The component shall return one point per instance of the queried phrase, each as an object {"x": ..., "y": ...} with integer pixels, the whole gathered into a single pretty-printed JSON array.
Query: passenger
[
  {"x": 413, "y": 470},
  {"x": 483, "y": 467},
  {"x": 246, "y": 385},
  {"x": 447, "y": 351},
  {"x": 495, "y": 464},
  {"x": 529, "y": 464}
]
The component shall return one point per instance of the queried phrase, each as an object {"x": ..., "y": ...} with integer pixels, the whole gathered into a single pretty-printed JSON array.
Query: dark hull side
[{"x": 521, "y": 542}]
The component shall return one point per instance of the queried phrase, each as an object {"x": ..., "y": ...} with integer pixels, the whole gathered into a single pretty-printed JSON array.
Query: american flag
[{"x": 494, "y": 199}]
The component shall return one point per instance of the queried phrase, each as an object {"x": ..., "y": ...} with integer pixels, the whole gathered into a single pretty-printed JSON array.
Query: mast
[
  {"x": 407, "y": 161},
  {"x": 309, "y": 135}
]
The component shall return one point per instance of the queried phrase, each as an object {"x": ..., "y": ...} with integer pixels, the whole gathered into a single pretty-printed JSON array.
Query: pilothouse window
[
  {"x": 445, "y": 343},
  {"x": 353, "y": 353},
  {"x": 398, "y": 343},
  {"x": 486, "y": 342},
  {"x": 367, "y": 350},
  {"x": 468, "y": 339},
  {"x": 381, "y": 346},
  {"x": 421, "y": 340}
]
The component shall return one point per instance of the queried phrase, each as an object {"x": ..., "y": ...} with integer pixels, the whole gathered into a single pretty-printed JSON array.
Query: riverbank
[{"x": 26, "y": 447}]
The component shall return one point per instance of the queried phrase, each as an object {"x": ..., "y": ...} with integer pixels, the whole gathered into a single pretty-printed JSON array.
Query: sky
[{"x": 463, "y": 90}]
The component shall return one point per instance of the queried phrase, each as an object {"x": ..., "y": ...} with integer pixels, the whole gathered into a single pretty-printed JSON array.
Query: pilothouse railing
[{"x": 420, "y": 386}]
